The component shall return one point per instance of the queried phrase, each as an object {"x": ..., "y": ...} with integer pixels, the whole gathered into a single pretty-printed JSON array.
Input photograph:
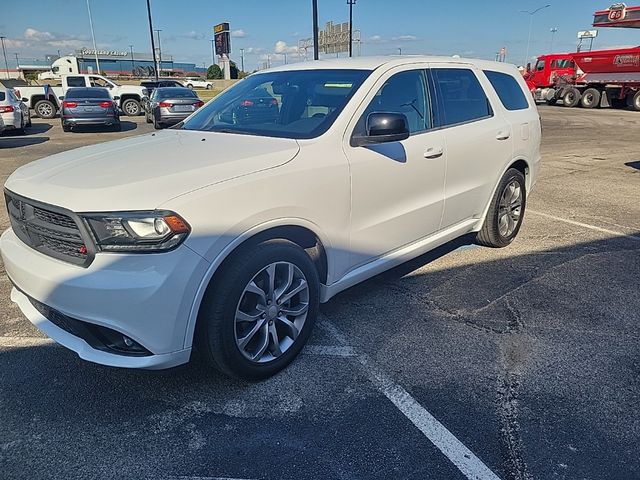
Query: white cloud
[
  {"x": 282, "y": 47},
  {"x": 376, "y": 39},
  {"x": 404, "y": 38},
  {"x": 36, "y": 35},
  {"x": 193, "y": 35},
  {"x": 238, "y": 33},
  {"x": 255, "y": 50},
  {"x": 39, "y": 41}
]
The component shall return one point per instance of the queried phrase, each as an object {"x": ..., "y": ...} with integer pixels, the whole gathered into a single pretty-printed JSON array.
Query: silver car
[
  {"x": 13, "y": 111},
  {"x": 168, "y": 106}
]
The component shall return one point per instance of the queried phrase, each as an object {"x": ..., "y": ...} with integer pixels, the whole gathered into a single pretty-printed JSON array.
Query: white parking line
[
  {"x": 464, "y": 459},
  {"x": 329, "y": 350},
  {"x": 586, "y": 225},
  {"x": 23, "y": 342}
]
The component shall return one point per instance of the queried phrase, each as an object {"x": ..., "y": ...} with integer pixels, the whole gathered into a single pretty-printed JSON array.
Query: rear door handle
[
  {"x": 433, "y": 152},
  {"x": 503, "y": 135}
]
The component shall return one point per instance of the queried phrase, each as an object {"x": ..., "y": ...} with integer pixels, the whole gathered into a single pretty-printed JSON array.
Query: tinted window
[
  {"x": 75, "y": 82},
  {"x": 404, "y": 93},
  {"x": 508, "y": 89},
  {"x": 540, "y": 65},
  {"x": 288, "y": 104},
  {"x": 461, "y": 96},
  {"x": 174, "y": 93},
  {"x": 87, "y": 93},
  {"x": 2, "y": 96}
]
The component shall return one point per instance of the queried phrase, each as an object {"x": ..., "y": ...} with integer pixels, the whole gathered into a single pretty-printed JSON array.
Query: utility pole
[
  {"x": 316, "y": 50},
  {"x": 351, "y": 3},
  {"x": 93, "y": 37},
  {"x": 553, "y": 35},
  {"x": 213, "y": 52},
  {"x": 159, "y": 51},
  {"x": 399, "y": 50},
  {"x": 531, "y": 14},
  {"x": 17, "y": 64},
  {"x": 242, "y": 59},
  {"x": 132, "y": 64},
  {"x": 4, "y": 52},
  {"x": 153, "y": 45},
  {"x": 285, "y": 58}
]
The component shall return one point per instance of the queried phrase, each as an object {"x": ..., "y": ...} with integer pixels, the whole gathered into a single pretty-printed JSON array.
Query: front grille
[{"x": 47, "y": 229}]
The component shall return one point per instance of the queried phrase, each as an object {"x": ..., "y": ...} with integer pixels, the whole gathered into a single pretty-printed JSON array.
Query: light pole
[
  {"x": 531, "y": 14},
  {"x": 399, "y": 50},
  {"x": 4, "y": 52},
  {"x": 17, "y": 64},
  {"x": 285, "y": 58},
  {"x": 159, "y": 51},
  {"x": 132, "y": 64},
  {"x": 351, "y": 3},
  {"x": 316, "y": 50},
  {"x": 153, "y": 45},
  {"x": 213, "y": 52},
  {"x": 553, "y": 35},
  {"x": 242, "y": 59},
  {"x": 93, "y": 37}
]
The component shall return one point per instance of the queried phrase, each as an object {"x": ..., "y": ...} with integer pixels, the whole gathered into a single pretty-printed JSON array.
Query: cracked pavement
[{"x": 528, "y": 355}]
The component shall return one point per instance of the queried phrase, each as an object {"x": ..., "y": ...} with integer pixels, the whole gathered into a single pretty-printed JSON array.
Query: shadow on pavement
[
  {"x": 635, "y": 165},
  {"x": 126, "y": 127},
  {"x": 23, "y": 141}
]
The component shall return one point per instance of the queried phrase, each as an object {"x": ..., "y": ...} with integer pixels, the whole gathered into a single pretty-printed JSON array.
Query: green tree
[{"x": 214, "y": 73}]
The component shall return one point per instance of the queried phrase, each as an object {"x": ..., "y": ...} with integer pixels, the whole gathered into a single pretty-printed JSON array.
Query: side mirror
[
  {"x": 61, "y": 98},
  {"x": 116, "y": 97},
  {"x": 25, "y": 99},
  {"x": 383, "y": 127}
]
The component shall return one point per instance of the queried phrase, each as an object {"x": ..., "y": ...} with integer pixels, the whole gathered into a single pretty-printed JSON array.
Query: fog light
[{"x": 127, "y": 341}]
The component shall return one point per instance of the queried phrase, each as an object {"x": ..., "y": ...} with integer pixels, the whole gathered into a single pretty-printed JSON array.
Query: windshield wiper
[{"x": 232, "y": 130}]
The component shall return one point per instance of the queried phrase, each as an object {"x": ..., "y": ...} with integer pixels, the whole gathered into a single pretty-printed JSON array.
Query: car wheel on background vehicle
[
  {"x": 156, "y": 124},
  {"x": 506, "y": 211},
  {"x": 189, "y": 86},
  {"x": 590, "y": 98},
  {"x": 66, "y": 128},
  {"x": 259, "y": 312},
  {"x": 45, "y": 109},
  {"x": 209, "y": 86},
  {"x": 634, "y": 101},
  {"x": 131, "y": 107},
  {"x": 571, "y": 97},
  {"x": 28, "y": 120}
]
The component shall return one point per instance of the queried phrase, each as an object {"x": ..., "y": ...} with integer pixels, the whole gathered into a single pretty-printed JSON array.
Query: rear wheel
[
  {"x": 506, "y": 211},
  {"x": 590, "y": 98},
  {"x": 45, "y": 109},
  {"x": 131, "y": 107},
  {"x": 634, "y": 101},
  {"x": 209, "y": 86},
  {"x": 260, "y": 311},
  {"x": 66, "y": 128},
  {"x": 189, "y": 86},
  {"x": 156, "y": 124},
  {"x": 571, "y": 97}
]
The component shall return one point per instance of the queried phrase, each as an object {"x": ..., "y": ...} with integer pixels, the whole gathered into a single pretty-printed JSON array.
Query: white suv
[{"x": 297, "y": 183}]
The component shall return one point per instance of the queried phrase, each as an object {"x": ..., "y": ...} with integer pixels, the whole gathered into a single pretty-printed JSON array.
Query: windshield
[{"x": 292, "y": 104}]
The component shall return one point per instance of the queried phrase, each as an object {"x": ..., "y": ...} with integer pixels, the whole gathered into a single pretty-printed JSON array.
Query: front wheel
[
  {"x": 259, "y": 311},
  {"x": 506, "y": 211},
  {"x": 209, "y": 86}
]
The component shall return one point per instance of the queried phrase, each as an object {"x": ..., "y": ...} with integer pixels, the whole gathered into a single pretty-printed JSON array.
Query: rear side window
[
  {"x": 461, "y": 96},
  {"x": 2, "y": 96},
  {"x": 75, "y": 82},
  {"x": 508, "y": 89}
]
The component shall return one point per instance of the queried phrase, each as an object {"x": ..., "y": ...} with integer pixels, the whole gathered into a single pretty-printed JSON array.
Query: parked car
[
  {"x": 227, "y": 235},
  {"x": 89, "y": 106},
  {"x": 14, "y": 112},
  {"x": 45, "y": 100},
  {"x": 2, "y": 128},
  {"x": 198, "y": 83},
  {"x": 168, "y": 106},
  {"x": 151, "y": 85}
]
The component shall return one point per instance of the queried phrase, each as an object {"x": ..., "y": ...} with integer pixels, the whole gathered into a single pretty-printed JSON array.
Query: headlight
[{"x": 157, "y": 231}]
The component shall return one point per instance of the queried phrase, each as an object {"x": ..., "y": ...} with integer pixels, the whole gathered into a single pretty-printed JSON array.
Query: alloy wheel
[
  {"x": 271, "y": 312},
  {"x": 510, "y": 208}
]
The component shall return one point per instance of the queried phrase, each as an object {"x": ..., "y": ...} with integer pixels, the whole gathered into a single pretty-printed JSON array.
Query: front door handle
[
  {"x": 503, "y": 135},
  {"x": 433, "y": 152}
]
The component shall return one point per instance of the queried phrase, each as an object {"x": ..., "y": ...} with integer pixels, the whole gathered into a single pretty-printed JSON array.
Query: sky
[{"x": 470, "y": 28}]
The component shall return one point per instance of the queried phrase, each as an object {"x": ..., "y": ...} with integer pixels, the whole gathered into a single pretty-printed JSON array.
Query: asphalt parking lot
[{"x": 521, "y": 363}]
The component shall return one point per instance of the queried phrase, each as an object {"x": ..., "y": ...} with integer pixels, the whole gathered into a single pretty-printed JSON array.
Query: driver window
[{"x": 404, "y": 93}]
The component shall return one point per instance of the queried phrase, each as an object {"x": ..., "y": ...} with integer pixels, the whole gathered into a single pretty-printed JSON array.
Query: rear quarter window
[
  {"x": 462, "y": 98},
  {"x": 2, "y": 96},
  {"x": 508, "y": 90}
]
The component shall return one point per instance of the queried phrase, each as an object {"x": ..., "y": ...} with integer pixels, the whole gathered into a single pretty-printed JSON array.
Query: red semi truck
[{"x": 599, "y": 78}]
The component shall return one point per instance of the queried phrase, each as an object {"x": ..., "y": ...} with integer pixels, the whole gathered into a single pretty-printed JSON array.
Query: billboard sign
[
  {"x": 587, "y": 34},
  {"x": 222, "y": 37}
]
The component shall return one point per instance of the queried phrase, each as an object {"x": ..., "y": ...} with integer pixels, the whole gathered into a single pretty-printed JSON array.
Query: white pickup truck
[{"x": 46, "y": 104}]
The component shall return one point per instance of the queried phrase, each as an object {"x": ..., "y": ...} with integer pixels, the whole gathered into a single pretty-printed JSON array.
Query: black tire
[
  {"x": 634, "y": 101},
  {"x": 571, "y": 98},
  {"x": 157, "y": 125},
  {"x": 29, "y": 122},
  {"x": 66, "y": 128},
  {"x": 20, "y": 131},
  {"x": 131, "y": 107},
  {"x": 490, "y": 235},
  {"x": 209, "y": 86},
  {"x": 215, "y": 333},
  {"x": 590, "y": 98},
  {"x": 45, "y": 109},
  {"x": 189, "y": 86}
]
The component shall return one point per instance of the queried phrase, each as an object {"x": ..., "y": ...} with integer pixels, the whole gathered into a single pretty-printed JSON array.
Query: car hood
[{"x": 141, "y": 173}]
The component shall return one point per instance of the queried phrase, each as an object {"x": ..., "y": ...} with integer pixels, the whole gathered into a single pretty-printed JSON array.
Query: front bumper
[{"x": 147, "y": 297}]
